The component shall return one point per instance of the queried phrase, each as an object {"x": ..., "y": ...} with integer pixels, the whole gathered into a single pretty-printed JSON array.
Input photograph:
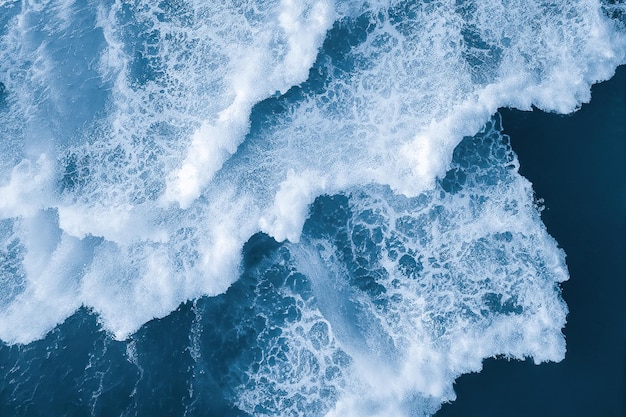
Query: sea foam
[
  {"x": 143, "y": 145},
  {"x": 412, "y": 291}
]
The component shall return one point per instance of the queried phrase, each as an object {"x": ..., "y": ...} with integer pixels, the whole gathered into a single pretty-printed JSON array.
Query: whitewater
[{"x": 335, "y": 171}]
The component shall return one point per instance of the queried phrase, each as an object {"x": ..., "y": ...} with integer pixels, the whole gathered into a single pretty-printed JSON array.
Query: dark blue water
[
  {"x": 576, "y": 164},
  {"x": 311, "y": 209}
]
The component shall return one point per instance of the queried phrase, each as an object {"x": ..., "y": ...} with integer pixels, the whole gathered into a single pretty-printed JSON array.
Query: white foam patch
[
  {"x": 52, "y": 295},
  {"x": 272, "y": 54},
  {"x": 152, "y": 180},
  {"x": 26, "y": 191},
  {"x": 291, "y": 203},
  {"x": 301, "y": 368},
  {"x": 124, "y": 225},
  {"x": 461, "y": 276}
]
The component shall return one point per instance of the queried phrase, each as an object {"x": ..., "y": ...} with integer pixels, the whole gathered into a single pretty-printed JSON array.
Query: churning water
[{"x": 315, "y": 198}]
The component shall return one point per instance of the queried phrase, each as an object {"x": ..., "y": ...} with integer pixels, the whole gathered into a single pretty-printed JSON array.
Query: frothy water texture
[{"x": 328, "y": 182}]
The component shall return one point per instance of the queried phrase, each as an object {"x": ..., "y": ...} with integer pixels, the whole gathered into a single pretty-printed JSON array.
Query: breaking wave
[{"x": 355, "y": 145}]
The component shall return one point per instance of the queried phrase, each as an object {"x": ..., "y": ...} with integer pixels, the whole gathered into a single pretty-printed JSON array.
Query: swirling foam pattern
[{"x": 156, "y": 153}]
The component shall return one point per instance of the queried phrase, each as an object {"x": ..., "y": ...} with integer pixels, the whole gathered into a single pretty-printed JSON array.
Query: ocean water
[
  {"x": 279, "y": 208},
  {"x": 575, "y": 163}
]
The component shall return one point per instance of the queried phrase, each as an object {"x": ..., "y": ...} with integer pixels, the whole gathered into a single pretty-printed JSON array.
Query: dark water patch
[
  {"x": 615, "y": 10},
  {"x": 190, "y": 362},
  {"x": 76, "y": 370},
  {"x": 497, "y": 305},
  {"x": 3, "y": 96},
  {"x": 76, "y": 172},
  {"x": 576, "y": 164}
]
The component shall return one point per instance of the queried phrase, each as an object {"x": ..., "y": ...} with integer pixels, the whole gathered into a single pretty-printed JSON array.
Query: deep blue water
[
  {"x": 311, "y": 208},
  {"x": 575, "y": 163}
]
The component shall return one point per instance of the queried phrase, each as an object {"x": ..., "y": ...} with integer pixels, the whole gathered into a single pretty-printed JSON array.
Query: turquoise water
[{"x": 306, "y": 208}]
